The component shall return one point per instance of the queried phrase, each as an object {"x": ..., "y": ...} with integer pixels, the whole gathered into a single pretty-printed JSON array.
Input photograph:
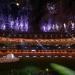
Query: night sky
[{"x": 38, "y": 5}]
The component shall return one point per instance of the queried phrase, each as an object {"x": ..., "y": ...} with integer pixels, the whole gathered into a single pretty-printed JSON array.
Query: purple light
[
  {"x": 16, "y": 24},
  {"x": 26, "y": 26},
  {"x": 46, "y": 26},
  {"x": 49, "y": 27},
  {"x": 51, "y": 8},
  {"x": 73, "y": 25},
  {"x": 20, "y": 24},
  {"x": 53, "y": 27},
  {"x": 57, "y": 27},
  {"x": 64, "y": 26},
  {"x": 11, "y": 24},
  {"x": 2, "y": 22},
  {"x": 3, "y": 26}
]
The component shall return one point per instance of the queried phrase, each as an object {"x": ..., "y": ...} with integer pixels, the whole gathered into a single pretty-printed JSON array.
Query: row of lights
[
  {"x": 23, "y": 26},
  {"x": 48, "y": 27},
  {"x": 37, "y": 35},
  {"x": 39, "y": 40},
  {"x": 59, "y": 47},
  {"x": 47, "y": 56}
]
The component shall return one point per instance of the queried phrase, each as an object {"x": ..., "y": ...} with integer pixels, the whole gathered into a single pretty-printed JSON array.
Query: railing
[
  {"x": 65, "y": 52},
  {"x": 34, "y": 41}
]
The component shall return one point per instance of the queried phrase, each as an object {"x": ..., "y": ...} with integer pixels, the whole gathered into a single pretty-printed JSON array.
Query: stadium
[{"x": 37, "y": 37}]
